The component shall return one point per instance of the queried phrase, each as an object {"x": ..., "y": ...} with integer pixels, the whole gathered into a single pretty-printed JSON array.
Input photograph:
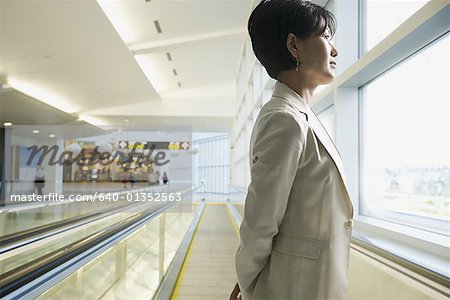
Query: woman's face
[{"x": 315, "y": 54}]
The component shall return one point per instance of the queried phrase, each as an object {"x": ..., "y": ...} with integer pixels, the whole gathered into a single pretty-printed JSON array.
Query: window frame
[
  {"x": 355, "y": 70},
  {"x": 417, "y": 222}
]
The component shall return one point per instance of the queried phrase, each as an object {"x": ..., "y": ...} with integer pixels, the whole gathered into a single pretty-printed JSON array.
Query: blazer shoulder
[{"x": 280, "y": 107}]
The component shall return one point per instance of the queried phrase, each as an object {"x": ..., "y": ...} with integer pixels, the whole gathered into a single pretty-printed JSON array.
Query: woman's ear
[{"x": 291, "y": 44}]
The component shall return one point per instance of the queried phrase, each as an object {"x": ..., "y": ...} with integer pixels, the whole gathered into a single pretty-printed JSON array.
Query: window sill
[{"x": 430, "y": 252}]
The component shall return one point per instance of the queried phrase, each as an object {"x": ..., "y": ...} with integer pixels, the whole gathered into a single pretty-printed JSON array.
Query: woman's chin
[{"x": 330, "y": 78}]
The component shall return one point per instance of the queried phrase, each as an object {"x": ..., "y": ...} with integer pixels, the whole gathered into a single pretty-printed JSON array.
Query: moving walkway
[{"x": 97, "y": 253}]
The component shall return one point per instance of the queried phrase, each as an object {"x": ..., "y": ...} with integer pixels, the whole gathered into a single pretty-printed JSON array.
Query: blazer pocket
[{"x": 296, "y": 245}]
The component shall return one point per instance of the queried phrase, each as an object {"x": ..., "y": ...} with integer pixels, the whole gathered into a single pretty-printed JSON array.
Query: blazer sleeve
[{"x": 275, "y": 156}]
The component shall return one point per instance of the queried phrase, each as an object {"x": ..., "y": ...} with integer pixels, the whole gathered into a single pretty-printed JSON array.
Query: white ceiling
[
  {"x": 68, "y": 54},
  {"x": 105, "y": 60}
]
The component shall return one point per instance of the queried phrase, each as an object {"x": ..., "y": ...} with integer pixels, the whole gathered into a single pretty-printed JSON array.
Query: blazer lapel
[{"x": 283, "y": 91}]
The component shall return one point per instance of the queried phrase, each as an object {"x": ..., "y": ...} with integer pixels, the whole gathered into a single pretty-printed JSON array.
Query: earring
[{"x": 296, "y": 67}]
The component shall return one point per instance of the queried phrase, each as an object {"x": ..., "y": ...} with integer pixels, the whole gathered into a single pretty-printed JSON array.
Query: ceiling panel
[
  {"x": 21, "y": 109},
  {"x": 198, "y": 63},
  {"x": 177, "y": 19}
]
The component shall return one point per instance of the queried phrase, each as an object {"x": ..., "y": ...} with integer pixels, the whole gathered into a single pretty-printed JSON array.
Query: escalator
[{"x": 119, "y": 252}]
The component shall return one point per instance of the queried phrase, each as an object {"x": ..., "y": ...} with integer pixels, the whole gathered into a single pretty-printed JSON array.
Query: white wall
[{"x": 212, "y": 164}]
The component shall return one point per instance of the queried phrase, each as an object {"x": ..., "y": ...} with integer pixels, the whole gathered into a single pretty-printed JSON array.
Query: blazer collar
[{"x": 283, "y": 91}]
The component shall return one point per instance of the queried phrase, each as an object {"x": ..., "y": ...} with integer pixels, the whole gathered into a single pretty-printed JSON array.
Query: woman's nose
[{"x": 334, "y": 51}]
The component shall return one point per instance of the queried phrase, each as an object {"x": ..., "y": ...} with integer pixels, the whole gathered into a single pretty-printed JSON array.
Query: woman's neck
[{"x": 295, "y": 82}]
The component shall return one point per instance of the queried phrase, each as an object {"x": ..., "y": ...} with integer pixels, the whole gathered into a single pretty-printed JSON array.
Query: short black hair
[{"x": 271, "y": 22}]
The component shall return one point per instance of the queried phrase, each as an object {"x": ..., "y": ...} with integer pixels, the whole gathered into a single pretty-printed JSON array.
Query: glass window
[
  {"x": 405, "y": 142},
  {"x": 392, "y": 14}
]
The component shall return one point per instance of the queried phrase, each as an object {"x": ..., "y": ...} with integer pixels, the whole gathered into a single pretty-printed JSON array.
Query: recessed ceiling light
[
  {"x": 6, "y": 124},
  {"x": 35, "y": 131},
  {"x": 51, "y": 135},
  {"x": 158, "y": 26}
]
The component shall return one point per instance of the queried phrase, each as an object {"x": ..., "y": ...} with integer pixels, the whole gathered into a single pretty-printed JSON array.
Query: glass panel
[
  {"x": 392, "y": 14},
  {"x": 142, "y": 265},
  {"x": 176, "y": 227},
  {"x": 100, "y": 275},
  {"x": 69, "y": 289},
  {"x": 405, "y": 142},
  {"x": 130, "y": 269}
]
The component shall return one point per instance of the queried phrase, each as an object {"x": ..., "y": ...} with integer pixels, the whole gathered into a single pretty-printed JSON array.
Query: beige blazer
[{"x": 295, "y": 234}]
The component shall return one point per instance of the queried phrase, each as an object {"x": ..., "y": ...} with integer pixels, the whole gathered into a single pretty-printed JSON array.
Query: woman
[
  {"x": 39, "y": 180},
  {"x": 295, "y": 234},
  {"x": 165, "y": 178}
]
